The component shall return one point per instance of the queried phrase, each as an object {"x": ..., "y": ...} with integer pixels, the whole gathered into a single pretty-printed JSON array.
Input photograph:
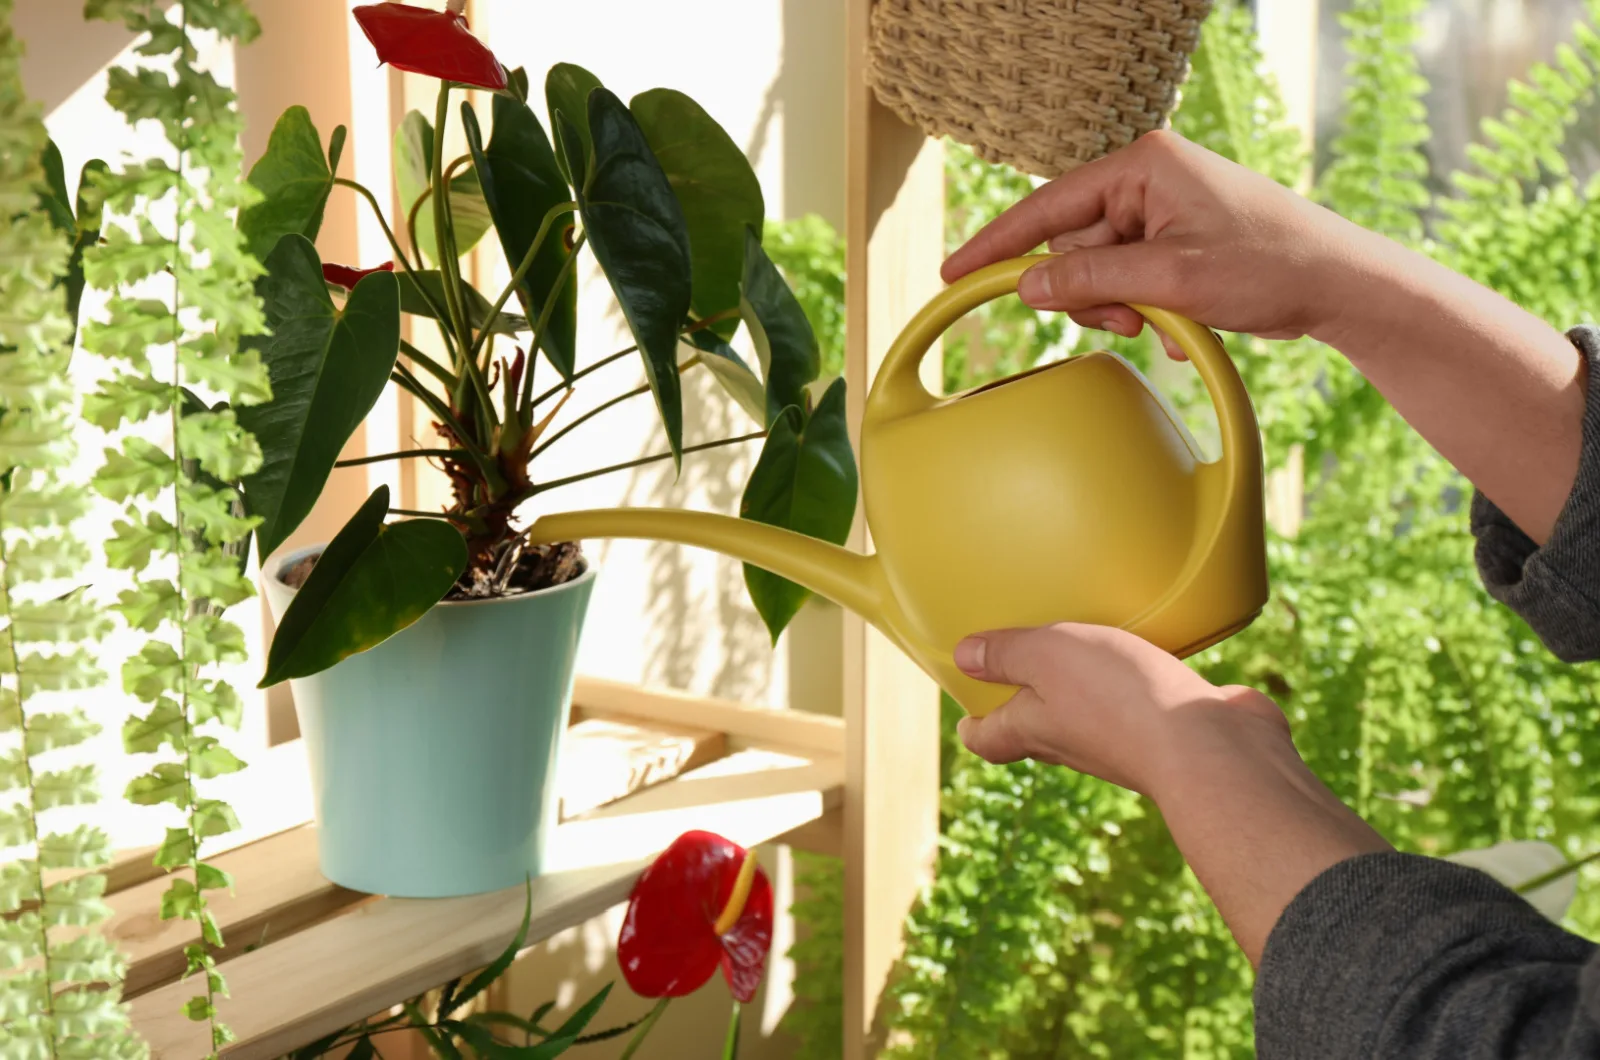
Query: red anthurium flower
[
  {"x": 433, "y": 43},
  {"x": 704, "y": 903},
  {"x": 348, "y": 277}
]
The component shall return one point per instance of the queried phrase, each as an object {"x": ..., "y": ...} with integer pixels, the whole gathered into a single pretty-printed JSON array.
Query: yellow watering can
[{"x": 1071, "y": 492}]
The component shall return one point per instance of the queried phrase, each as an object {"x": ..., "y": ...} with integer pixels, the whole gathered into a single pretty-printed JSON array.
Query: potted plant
[
  {"x": 433, "y": 655},
  {"x": 702, "y": 906}
]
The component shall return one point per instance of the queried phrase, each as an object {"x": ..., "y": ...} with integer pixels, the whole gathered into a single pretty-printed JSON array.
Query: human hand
[
  {"x": 1249, "y": 817},
  {"x": 1166, "y": 222},
  {"x": 1104, "y": 702}
]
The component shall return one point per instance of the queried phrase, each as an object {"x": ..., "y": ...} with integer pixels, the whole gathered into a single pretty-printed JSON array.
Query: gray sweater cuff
[
  {"x": 1399, "y": 955},
  {"x": 1556, "y": 589}
]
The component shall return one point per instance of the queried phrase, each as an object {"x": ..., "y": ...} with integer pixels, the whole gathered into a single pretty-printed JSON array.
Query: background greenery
[{"x": 1062, "y": 922}]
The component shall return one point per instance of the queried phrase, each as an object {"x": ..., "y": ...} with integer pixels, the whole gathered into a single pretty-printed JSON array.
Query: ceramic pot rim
[{"x": 298, "y": 554}]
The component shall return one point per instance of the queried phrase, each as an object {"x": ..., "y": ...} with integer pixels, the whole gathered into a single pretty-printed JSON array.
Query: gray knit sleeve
[
  {"x": 1401, "y": 956},
  {"x": 1556, "y": 589}
]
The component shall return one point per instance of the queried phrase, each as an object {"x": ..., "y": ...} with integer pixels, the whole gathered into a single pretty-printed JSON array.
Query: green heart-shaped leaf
[
  {"x": 805, "y": 481},
  {"x": 295, "y": 179},
  {"x": 566, "y": 92},
  {"x": 785, "y": 344},
  {"x": 716, "y": 187},
  {"x": 372, "y": 581},
  {"x": 328, "y": 368},
  {"x": 413, "y": 175},
  {"x": 521, "y": 184},
  {"x": 635, "y": 227}
]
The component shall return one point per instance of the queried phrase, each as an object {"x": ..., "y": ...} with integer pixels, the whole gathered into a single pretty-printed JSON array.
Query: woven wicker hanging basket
[{"x": 1043, "y": 85}]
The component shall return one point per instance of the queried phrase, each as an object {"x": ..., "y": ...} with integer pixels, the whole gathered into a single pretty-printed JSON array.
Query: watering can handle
[{"x": 897, "y": 391}]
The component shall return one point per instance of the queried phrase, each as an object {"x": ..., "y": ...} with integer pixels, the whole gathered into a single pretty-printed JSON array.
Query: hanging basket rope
[{"x": 1043, "y": 85}]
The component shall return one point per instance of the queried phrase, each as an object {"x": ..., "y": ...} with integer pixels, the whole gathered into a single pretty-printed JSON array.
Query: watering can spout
[{"x": 848, "y": 578}]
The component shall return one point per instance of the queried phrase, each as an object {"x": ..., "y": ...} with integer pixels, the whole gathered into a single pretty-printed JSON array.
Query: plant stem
[
  {"x": 415, "y": 514},
  {"x": 404, "y": 454},
  {"x": 592, "y": 413},
  {"x": 569, "y": 480},
  {"x": 595, "y": 367},
  {"x": 444, "y": 246},
  {"x": 586, "y": 417},
  {"x": 522, "y": 270},
  {"x": 179, "y": 540},
  {"x": 440, "y": 315},
  {"x": 698, "y": 325},
  {"x": 545, "y": 312},
  {"x": 403, "y": 377},
  {"x": 644, "y": 1029},
  {"x": 434, "y": 368},
  {"x": 730, "y": 1045},
  {"x": 1529, "y": 886}
]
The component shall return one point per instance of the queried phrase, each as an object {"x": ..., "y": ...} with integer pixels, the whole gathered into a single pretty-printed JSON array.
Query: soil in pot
[{"x": 529, "y": 570}]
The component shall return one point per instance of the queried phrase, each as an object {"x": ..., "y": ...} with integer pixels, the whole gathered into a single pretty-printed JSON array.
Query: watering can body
[{"x": 1071, "y": 492}]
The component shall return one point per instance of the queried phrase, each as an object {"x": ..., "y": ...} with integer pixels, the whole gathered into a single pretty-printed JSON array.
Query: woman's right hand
[{"x": 1166, "y": 222}]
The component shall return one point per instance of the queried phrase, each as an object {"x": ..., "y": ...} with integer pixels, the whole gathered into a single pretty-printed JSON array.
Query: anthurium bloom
[
  {"x": 703, "y": 904},
  {"x": 347, "y": 277},
  {"x": 432, "y": 43}
]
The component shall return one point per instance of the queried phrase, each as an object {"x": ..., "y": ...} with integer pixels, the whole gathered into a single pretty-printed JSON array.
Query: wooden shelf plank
[
  {"x": 607, "y": 758},
  {"x": 376, "y": 954},
  {"x": 790, "y": 728}
]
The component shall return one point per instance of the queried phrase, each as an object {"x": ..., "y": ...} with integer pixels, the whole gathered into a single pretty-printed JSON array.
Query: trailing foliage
[
  {"x": 180, "y": 279},
  {"x": 1427, "y": 707},
  {"x": 59, "y": 991}
]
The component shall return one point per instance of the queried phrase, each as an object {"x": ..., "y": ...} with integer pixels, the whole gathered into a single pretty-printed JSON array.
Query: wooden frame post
[
  {"x": 1287, "y": 31},
  {"x": 894, "y": 233}
]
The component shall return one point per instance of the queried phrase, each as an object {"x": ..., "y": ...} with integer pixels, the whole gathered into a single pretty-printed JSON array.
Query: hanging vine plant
[
  {"x": 58, "y": 996},
  {"x": 182, "y": 299}
]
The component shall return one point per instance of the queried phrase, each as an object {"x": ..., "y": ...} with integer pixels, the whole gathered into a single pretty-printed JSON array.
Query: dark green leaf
[
  {"x": 362, "y": 1050},
  {"x": 294, "y": 179},
  {"x": 805, "y": 481},
  {"x": 485, "y": 978},
  {"x": 784, "y": 341},
  {"x": 729, "y": 369},
  {"x": 429, "y": 280},
  {"x": 521, "y": 184},
  {"x": 716, "y": 187},
  {"x": 413, "y": 175},
  {"x": 516, "y": 85},
  {"x": 328, "y": 366},
  {"x": 563, "y": 1037},
  {"x": 566, "y": 92},
  {"x": 372, "y": 581},
  {"x": 635, "y": 227},
  {"x": 612, "y": 1032}
]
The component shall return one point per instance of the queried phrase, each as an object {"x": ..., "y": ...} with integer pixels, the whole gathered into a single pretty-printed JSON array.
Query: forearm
[
  {"x": 1253, "y": 822},
  {"x": 1497, "y": 391}
]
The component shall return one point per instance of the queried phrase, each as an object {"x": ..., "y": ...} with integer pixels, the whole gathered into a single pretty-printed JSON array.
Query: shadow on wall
[
  {"x": 808, "y": 94},
  {"x": 715, "y": 478}
]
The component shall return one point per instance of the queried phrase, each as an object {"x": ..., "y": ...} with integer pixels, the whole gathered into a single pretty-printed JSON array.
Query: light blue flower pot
[{"x": 433, "y": 756}]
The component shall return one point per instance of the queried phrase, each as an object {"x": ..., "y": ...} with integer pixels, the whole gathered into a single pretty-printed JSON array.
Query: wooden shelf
[{"x": 305, "y": 957}]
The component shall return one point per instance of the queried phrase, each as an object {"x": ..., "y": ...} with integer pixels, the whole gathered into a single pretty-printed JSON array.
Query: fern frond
[{"x": 179, "y": 496}]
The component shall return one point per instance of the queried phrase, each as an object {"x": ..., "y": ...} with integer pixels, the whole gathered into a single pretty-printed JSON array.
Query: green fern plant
[
  {"x": 59, "y": 994},
  {"x": 1425, "y": 705},
  {"x": 182, "y": 301}
]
